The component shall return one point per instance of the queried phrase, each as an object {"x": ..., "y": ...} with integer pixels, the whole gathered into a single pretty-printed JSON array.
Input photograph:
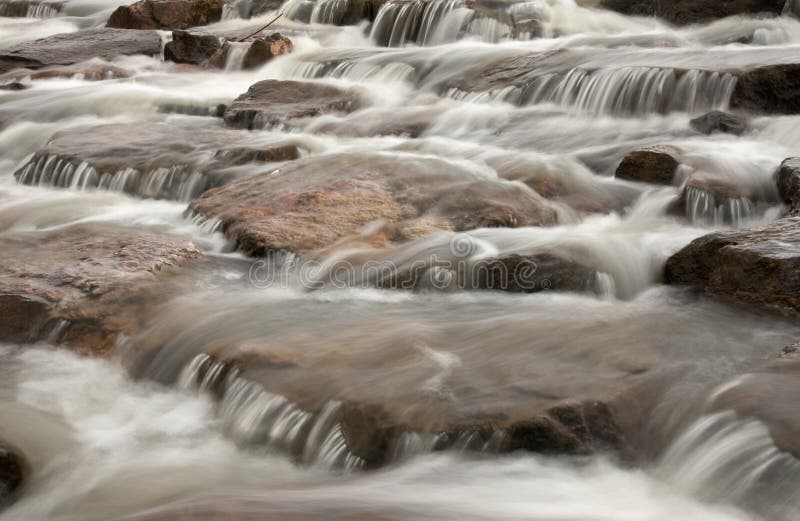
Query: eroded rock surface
[
  {"x": 757, "y": 266},
  {"x": 81, "y": 286},
  {"x": 788, "y": 178},
  {"x": 313, "y": 203},
  {"x": 71, "y": 48}
]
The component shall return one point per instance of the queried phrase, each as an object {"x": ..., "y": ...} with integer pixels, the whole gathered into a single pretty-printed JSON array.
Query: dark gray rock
[{"x": 717, "y": 121}]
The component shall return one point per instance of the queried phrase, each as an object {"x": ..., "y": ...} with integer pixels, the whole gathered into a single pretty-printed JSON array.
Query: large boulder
[
  {"x": 192, "y": 47},
  {"x": 758, "y": 266},
  {"x": 774, "y": 89},
  {"x": 788, "y": 178},
  {"x": 312, "y": 203},
  {"x": 166, "y": 14},
  {"x": 70, "y": 48},
  {"x": 657, "y": 165},
  {"x": 272, "y": 102},
  {"x": 717, "y": 121},
  {"x": 11, "y": 474},
  {"x": 82, "y": 286},
  {"x": 176, "y": 160},
  {"x": 682, "y": 12}
]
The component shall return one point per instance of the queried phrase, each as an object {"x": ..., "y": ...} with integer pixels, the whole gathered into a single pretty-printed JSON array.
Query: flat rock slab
[
  {"x": 175, "y": 160},
  {"x": 83, "y": 285},
  {"x": 70, "y": 48},
  {"x": 273, "y": 102},
  {"x": 312, "y": 203},
  {"x": 757, "y": 266}
]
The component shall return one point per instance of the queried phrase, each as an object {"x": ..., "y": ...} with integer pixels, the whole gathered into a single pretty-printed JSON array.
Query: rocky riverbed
[{"x": 399, "y": 259}]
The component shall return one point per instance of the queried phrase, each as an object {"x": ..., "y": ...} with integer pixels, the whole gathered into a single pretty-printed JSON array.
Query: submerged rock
[
  {"x": 656, "y": 165},
  {"x": 166, "y": 14},
  {"x": 92, "y": 70},
  {"x": 81, "y": 286},
  {"x": 682, "y": 12},
  {"x": 11, "y": 474},
  {"x": 770, "y": 394},
  {"x": 70, "y": 48},
  {"x": 176, "y": 160},
  {"x": 774, "y": 89},
  {"x": 788, "y": 178},
  {"x": 191, "y": 47},
  {"x": 717, "y": 121},
  {"x": 757, "y": 266},
  {"x": 272, "y": 102},
  {"x": 312, "y": 203}
]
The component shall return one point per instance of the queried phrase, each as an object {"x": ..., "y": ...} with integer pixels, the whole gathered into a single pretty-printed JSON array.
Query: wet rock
[
  {"x": 774, "y": 89},
  {"x": 71, "y": 48},
  {"x": 191, "y": 47},
  {"x": 81, "y": 286},
  {"x": 313, "y": 203},
  {"x": 758, "y": 266},
  {"x": 656, "y": 165},
  {"x": 177, "y": 160},
  {"x": 273, "y": 102},
  {"x": 788, "y": 178},
  {"x": 768, "y": 394},
  {"x": 251, "y": 53},
  {"x": 166, "y": 14},
  {"x": 682, "y": 12},
  {"x": 717, "y": 121},
  {"x": 11, "y": 474}
]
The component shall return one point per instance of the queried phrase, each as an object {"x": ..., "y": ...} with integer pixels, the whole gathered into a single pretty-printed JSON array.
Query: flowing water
[{"x": 188, "y": 434}]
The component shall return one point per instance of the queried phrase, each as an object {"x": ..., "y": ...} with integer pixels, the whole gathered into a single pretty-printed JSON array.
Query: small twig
[{"x": 255, "y": 33}]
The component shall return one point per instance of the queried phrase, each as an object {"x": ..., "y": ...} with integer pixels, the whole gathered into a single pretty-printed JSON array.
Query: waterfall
[{"x": 23, "y": 8}]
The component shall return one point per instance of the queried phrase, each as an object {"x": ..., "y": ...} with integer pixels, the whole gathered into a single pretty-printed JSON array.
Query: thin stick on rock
[{"x": 263, "y": 28}]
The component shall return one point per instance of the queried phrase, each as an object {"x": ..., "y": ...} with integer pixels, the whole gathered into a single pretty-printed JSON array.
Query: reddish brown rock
[
  {"x": 759, "y": 266},
  {"x": 272, "y": 102},
  {"x": 311, "y": 204},
  {"x": 166, "y": 14},
  {"x": 656, "y": 165},
  {"x": 81, "y": 286}
]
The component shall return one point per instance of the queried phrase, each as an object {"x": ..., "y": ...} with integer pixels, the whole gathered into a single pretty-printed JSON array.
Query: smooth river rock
[
  {"x": 70, "y": 48},
  {"x": 272, "y": 102},
  {"x": 81, "y": 286},
  {"x": 657, "y": 165},
  {"x": 717, "y": 121},
  {"x": 166, "y": 14},
  {"x": 759, "y": 266},
  {"x": 312, "y": 203}
]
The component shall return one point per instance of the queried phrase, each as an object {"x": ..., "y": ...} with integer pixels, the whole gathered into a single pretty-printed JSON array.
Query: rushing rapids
[{"x": 401, "y": 259}]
